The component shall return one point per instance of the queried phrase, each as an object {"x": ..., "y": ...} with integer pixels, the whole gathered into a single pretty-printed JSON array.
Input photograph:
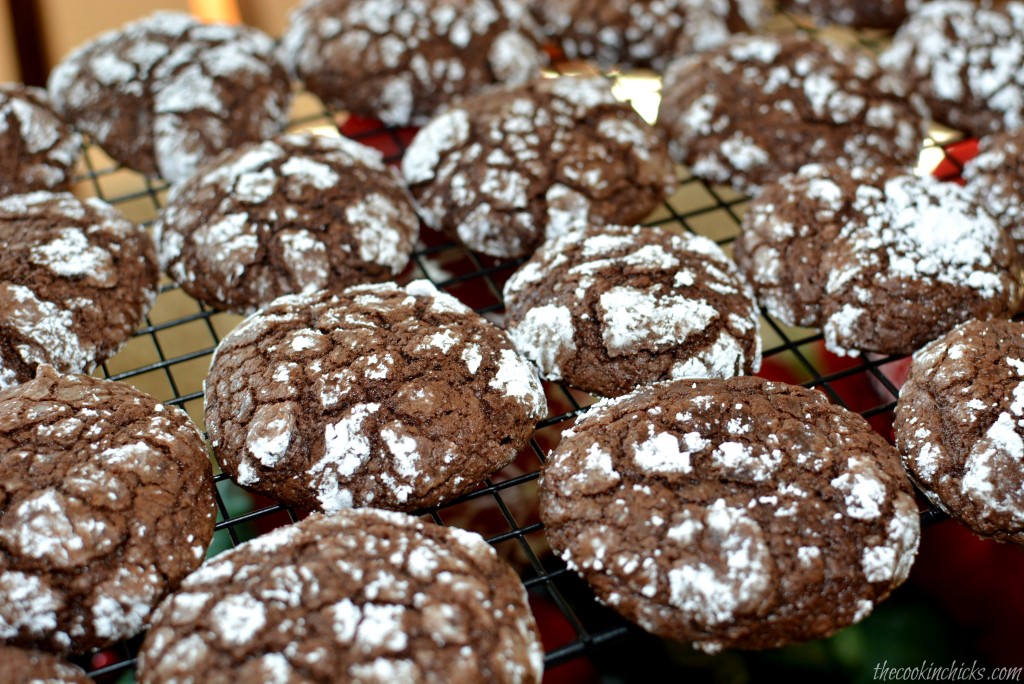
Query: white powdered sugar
[
  {"x": 29, "y": 605},
  {"x": 663, "y": 453},
  {"x": 710, "y": 596},
  {"x": 862, "y": 488},
  {"x": 346, "y": 448},
  {"x": 238, "y": 618},
  {"x": 641, "y": 319},
  {"x": 543, "y": 335},
  {"x": 998, "y": 459},
  {"x": 70, "y": 255},
  {"x": 742, "y": 462},
  {"x": 374, "y": 219},
  {"x": 443, "y": 134},
  {"x": 518, "y": 380}
]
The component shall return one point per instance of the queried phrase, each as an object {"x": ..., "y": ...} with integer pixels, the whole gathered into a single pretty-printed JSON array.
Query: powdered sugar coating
[
  {"x": 378, "y": 395},
  {"x": 165, "y": 93},
  {"x": 756, "y": 108},
  {"x": 850, "y": 261},
  {"x": 648, "y": 33},
  {"x": 401, "y": 60},
  {"x": 996, "y": 176},
  {"x": 293, "y": 214},
  {"x": 704, "y": 511},
  {"x": 108, "y": 504},
  {"x": 38, "y": 151},
  {"x": 504, "y": 170},
  {"x": 962, "y": 64},
  {"x": 960, "y": 426},
  {"x": 608, "y": 309},
  {"x": 361, "y": 594},
  {"x": 76, "y": 279}
]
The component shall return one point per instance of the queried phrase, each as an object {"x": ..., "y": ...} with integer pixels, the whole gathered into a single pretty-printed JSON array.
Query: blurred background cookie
[
  {"x": 401, "y": 60},
  {"x": 38, "y": 150},
  {"x": 165, "y": 93},
  {"x": 294, "y": 214}
]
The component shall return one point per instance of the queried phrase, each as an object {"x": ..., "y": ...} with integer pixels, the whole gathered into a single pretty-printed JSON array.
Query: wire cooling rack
[{"x": 170, "y": 355}]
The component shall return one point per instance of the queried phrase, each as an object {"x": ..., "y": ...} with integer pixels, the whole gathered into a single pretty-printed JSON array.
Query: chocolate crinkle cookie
[
  {"x": 165, "y": 93},
  {"x": 963, "y": 65},
  {"x": 504, "y": 170},
  {"x": 38, "y": 150},
  {"x": 996, "y": 176},
  {"x": 106, "y": 503},
  {"x": 297, "y": 213},
  {"x": 881, "y": 260},
  {"x": 378, "y": 395},
  {"x": 609, "y": 309},
  {"x": 882, "y": 14},
  {"x": 735, "y": 513},
  {"x": 76, "y": 280},
  {"x": 360, "y": 596},
  {"x": 960, "y": 426},
  {"x": 759, "y": 107},
  {"x": 644, "y": 33},
  {"x": 22, "y": 666},
  {"x": 401, "y": 60}
]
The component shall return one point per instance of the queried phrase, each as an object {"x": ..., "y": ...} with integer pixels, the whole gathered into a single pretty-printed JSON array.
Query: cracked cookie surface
[
  {"x": 38, "y": 150},
  {"x": 505, "y": 169},
  {"x": 609, "y": 309},
  {"x": 735, "y": 513},
  {"x": 106, "y": 503},
  {"x": 165, "y": 93},
  {"x": 758, "y": 107},
  {"x": 76, "y": 280},
  {"x": 960, "y": 426},
  {"x": 880, "y": 259},
  {"x": 402, "y": 60},
  {"x": 294, "y": 214},
  {"x": 378, "y": 395},
  {"x": 362, "y": 595}
]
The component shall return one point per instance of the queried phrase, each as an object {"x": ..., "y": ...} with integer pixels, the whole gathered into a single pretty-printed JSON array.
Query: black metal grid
[{"x": 169, "y": 369}]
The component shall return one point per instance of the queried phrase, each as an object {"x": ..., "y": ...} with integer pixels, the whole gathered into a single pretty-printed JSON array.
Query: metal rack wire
[{"x": 169, "y": 356}]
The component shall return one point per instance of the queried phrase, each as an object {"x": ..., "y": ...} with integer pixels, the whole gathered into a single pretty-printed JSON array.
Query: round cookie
[
  {"x": 960, "y": 426},
  {"x": 504, "y": 170},
  {"x": 38, "y": 151},
  {"x": 76, "y": 280},
  {"x": 882, "y": 14},
  {"x": 996, "y": 176},
  {"x": 402, "y": 60},
  {"x": 735, "y": 513},
  {"x": 609, "y": 309},
  {"x": 963, "y": 65},
  {"x": 106, "y": 503},
  {"x": 881, "y": 260},
  {"x": 362, "y": 595},
  {"x": 644, "y": 33},
  {"x": 756, "y": 108},
  {"x": 297, "y": 213},
  {"x": 36, "y": 667},
  {"x": 378, "y": 395},
  {"x": 165, "y": 93}
]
